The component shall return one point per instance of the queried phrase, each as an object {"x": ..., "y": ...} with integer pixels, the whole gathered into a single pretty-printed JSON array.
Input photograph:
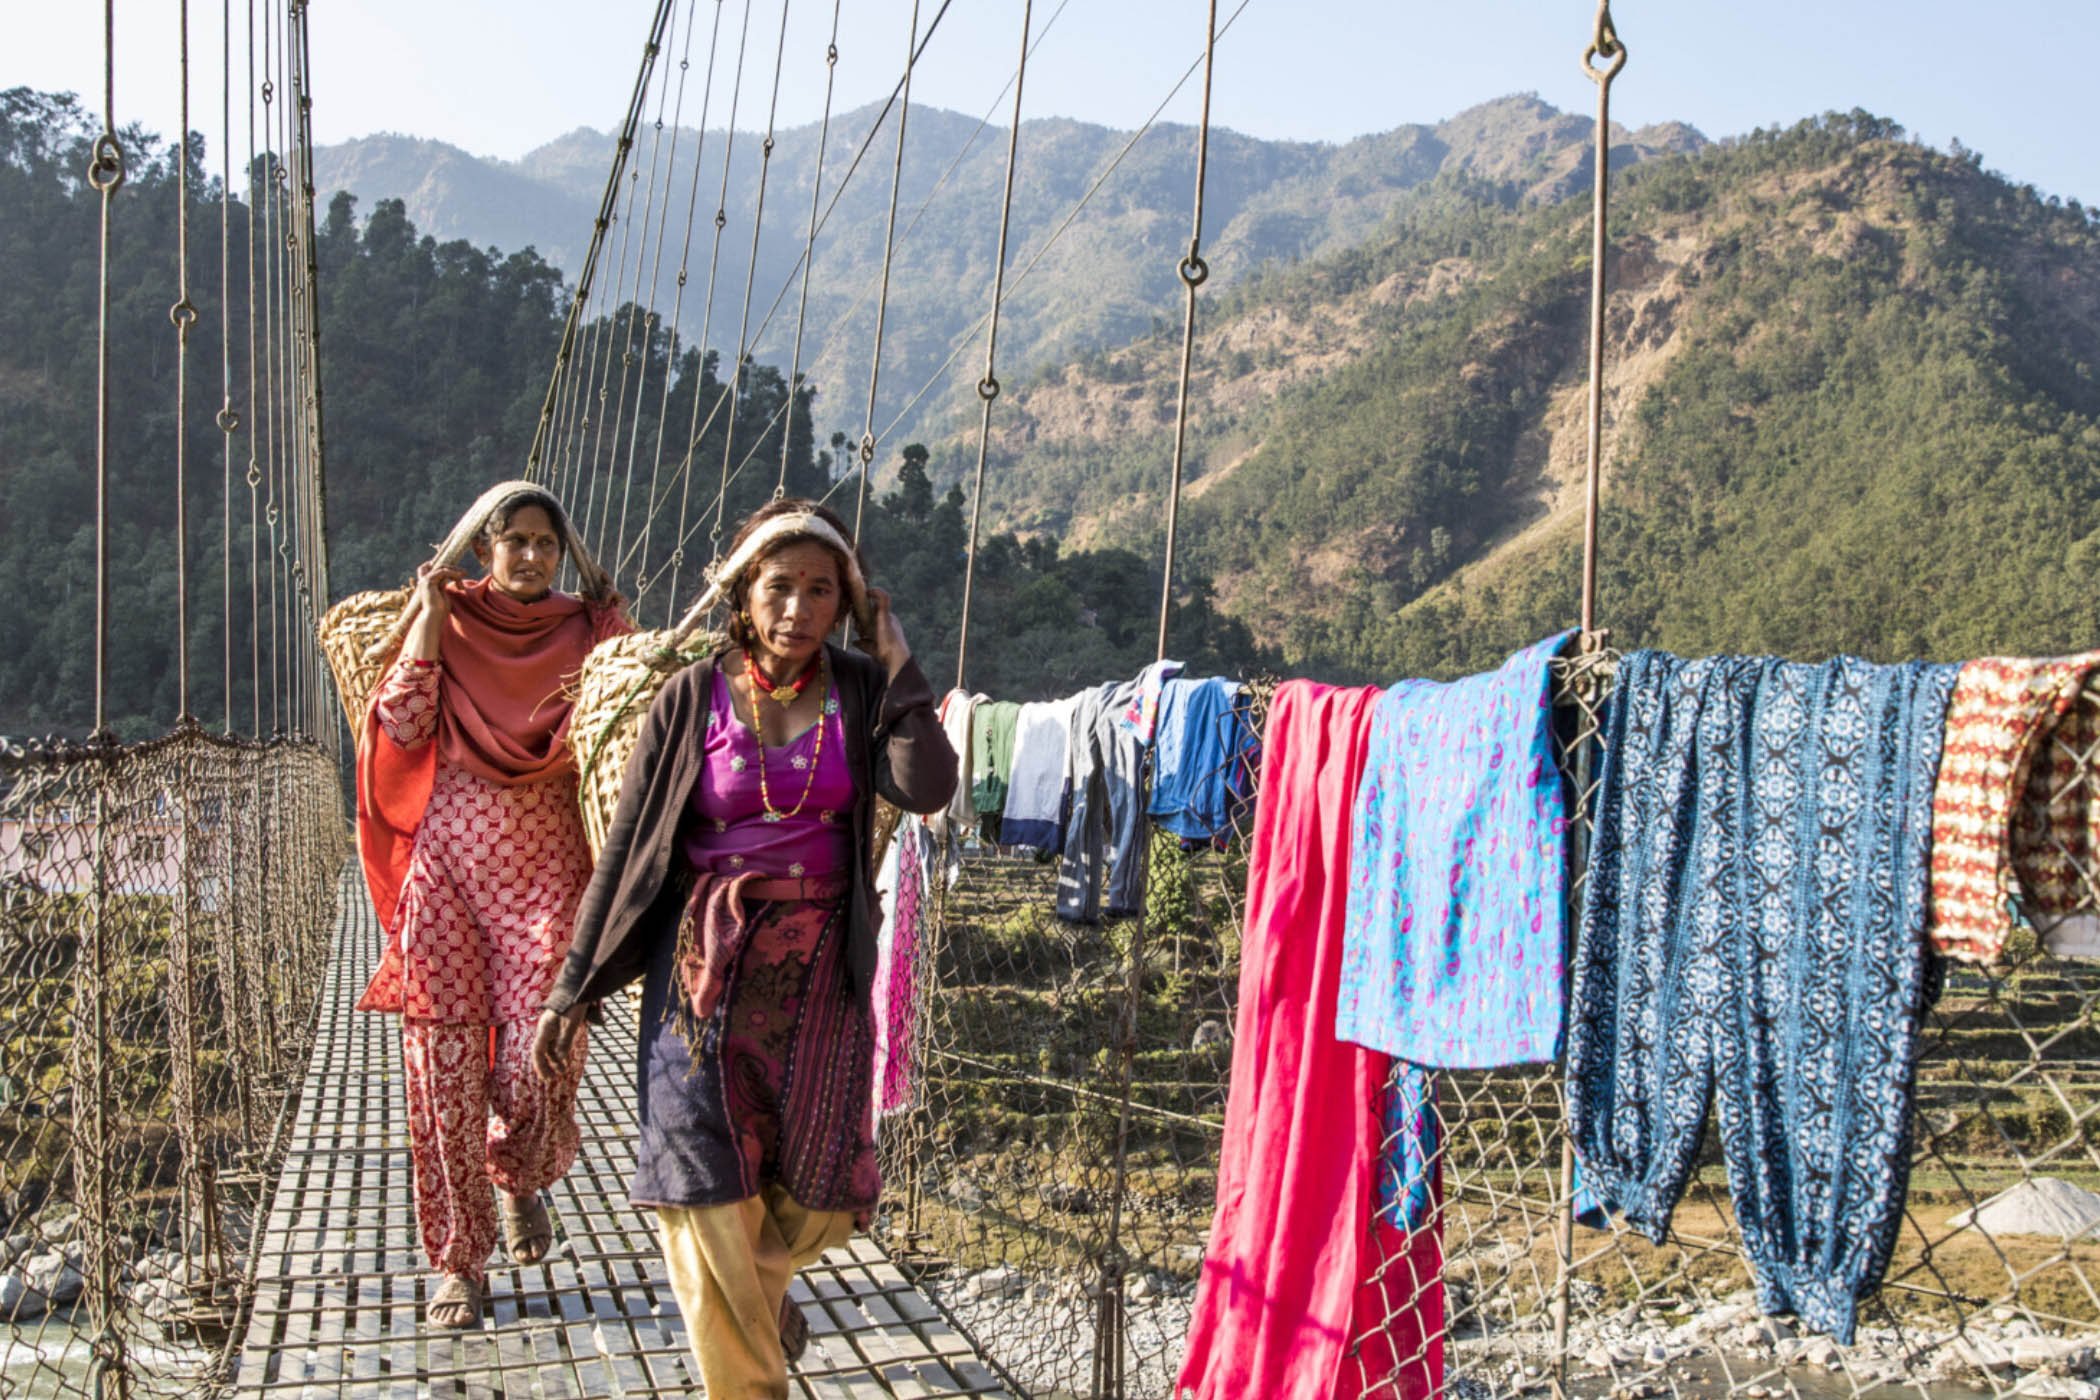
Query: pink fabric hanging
[{"x": 1288, "y": 1280}]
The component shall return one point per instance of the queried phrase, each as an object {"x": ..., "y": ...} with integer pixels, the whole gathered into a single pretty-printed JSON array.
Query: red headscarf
[{"x": 503, "y": 715}]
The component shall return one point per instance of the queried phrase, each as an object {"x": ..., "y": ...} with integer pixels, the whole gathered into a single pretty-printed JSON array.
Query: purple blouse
[{"x": 733, "y": 834}]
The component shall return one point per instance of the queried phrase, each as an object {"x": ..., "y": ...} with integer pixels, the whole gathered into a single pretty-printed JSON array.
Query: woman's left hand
[{"x": 887, "y": 645}]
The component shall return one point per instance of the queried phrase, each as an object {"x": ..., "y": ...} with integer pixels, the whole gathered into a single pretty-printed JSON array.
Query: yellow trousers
[{"x": 730, "y": 1266}]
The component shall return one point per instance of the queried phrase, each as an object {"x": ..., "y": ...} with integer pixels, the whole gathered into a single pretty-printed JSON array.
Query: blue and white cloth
[{"x": 1754, "y": 930}]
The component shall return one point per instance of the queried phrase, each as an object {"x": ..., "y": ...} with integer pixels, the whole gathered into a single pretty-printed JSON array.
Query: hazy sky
[{"x": 500, "y": 78}]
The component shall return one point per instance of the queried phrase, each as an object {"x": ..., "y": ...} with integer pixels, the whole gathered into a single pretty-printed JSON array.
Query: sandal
[
  {"x": 794, "y": 1331},
  {"x": 456, "y": 1292},
  {"x": 527, "y": 1232}
]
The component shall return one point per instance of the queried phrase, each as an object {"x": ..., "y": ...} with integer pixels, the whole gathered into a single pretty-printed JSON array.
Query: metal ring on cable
[
  {"x": 1193, "y": 269},
  {"x": 867, "y": 448},
  {"x": 106, "y": 168},
  {"x": 254, "y": 474},
  {"x": 988, "y": 388},
  {"x": 228, "y": 420},
  {"x": 184, "y": 314},
  {"x": 1604, "y": 44}
]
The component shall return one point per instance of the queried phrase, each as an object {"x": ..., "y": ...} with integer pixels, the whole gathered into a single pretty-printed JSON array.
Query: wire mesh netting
[
  {"x": 165, "y": 911},
  {"x": 1064, "y": 1222}
]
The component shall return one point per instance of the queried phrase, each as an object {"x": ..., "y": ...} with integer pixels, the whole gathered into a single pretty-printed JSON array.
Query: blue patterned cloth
[
  {"x": 1754, "y": 930},
  {"x": 1414, "y": 1136},
  {"x": 1454, "y": 949}
]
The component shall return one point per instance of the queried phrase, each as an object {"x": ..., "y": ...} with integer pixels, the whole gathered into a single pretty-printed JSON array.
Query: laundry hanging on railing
[
  {"x": 904, "y": 888},
  {"x": 1205, "y": 756},
  {"x": 2014, "y": 820},
  {"x": 1287, "y": 1282},
  {"x": 1035, "y": 791},
  {"x": 1754, "y": 929},
  {"x": 1457, "y": 883},
  {"x": 1103, "y": 866},
  {"x": 991, "y": 761}
]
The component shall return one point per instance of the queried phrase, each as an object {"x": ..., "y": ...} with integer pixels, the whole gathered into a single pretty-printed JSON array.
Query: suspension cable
[
  {"x": 184, "y": 315},
  {"x": 988, "y": 386},
  {"x": 1193, "y": 272},
  {"x": 656, "y": 268},
  {"x": 534, "y": 462},
  {"x": 714, "y": 263},
  {"x": 680, "y": 475},
  {"x": 685, "y": 253},
  {"x": 229, "y": 421},
  {"x": 634, "y": 312},
  {"x": 1604, "y": 43},
  {"x": 106, "y": 174},
  {"x": 882, "y": 305},
  {"x": 588, "y": 461},
  {"x": 743, "y": 329},
  {"x": 255, "y": 686},
  {"x": 1020, "y": 278},
  {"x": 809, "y": 251}
]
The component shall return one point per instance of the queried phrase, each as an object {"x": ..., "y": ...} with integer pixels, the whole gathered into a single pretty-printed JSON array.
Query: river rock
[
  {"x": 1983, "y": 1353},
  {"x": 2046, "y": 1387},
  {"x": 1001, "y": 1282},
  {"x": 2047, "y": 1206},
  {"x": 59, "y": 1229},
  {"x": 55, "y": 1278},
  {"x": 18, "y": 1303},
  {"x": 2059, "y": 1353},
  {"x": 16, "y": 1245},
  {"x": 1209, "y": 1033}
]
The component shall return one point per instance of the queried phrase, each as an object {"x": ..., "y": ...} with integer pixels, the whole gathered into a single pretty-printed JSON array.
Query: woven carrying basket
[
  {"x": 350, "y": 629},
  {"x": 619, "y": 681}
]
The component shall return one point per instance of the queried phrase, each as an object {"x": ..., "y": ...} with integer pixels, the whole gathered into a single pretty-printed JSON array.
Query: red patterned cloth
[
  {"x": 472, "y": 1123},
  {"x": 488, "y": 905},
  {"x": 2009, "y": 802}
]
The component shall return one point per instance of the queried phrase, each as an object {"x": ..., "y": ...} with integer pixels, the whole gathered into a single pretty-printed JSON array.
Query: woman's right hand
[
  {"x": 553, "y": 1039},
  {"x": 431, "y": 579}
]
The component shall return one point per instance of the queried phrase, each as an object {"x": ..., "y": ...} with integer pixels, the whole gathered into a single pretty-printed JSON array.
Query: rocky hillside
[
  {"x": 1851, "y": 406},
  {"x": 1106, "y": 277}
]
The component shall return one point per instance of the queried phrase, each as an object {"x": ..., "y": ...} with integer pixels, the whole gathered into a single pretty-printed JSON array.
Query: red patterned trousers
[{"x": 476, "y": 1118}]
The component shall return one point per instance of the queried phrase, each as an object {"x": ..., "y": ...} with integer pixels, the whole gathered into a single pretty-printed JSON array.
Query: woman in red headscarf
[{"x": 474, "y": 851}]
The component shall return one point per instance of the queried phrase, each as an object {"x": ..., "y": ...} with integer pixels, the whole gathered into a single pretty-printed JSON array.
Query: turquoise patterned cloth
[{"x": 1454, "y": 946}]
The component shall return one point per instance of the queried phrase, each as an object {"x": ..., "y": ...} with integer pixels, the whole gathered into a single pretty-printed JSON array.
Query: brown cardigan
[{"x": 894, "y": 746}]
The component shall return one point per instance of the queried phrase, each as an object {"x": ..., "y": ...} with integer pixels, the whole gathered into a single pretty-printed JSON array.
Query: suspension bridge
[{"x": 211, "y": 1145}]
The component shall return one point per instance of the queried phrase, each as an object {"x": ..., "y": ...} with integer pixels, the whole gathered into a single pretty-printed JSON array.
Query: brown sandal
[
  {"x": 457, "y": 1291},
  {"x": 794, "y": 1331},
  {"x": 527, "y": 1232}
]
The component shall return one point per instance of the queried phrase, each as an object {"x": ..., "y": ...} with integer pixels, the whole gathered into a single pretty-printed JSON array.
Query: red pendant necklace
[
  {"x": 765, "y": 793},
  {"x": 782, "y": 692}
]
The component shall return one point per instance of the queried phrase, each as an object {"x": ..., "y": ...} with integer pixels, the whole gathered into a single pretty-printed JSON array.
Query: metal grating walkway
[{"x": 341, "y": 1279}]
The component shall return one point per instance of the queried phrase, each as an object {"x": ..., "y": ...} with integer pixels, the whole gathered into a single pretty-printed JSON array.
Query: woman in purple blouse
[{"x": 737, "y": 882}]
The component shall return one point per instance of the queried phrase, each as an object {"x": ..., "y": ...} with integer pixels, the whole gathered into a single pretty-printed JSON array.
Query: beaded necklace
[{"x": 758, "y": 736}]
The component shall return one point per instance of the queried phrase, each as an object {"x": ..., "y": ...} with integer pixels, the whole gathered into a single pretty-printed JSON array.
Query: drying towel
[
  {"x": 1035, "y": 793},
  {"x": 1288, "y": 1282},
  {"x": 1458, "y": 873},
  {"x": 2009, "y": 801},
  {"x": 1753, "y": 928}
]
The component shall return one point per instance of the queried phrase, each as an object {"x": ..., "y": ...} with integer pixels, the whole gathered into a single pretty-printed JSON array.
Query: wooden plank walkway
[{"x": 339, "y": 1297}]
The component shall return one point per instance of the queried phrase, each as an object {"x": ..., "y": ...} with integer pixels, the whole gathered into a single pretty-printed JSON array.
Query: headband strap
[{"x": 722, "y": 576}]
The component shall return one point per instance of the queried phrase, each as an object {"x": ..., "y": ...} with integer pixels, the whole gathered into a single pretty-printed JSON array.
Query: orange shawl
[{"x": 503, "y": 716}]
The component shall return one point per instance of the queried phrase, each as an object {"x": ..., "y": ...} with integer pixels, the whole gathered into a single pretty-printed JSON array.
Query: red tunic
[{"x": 489, "y": 903}]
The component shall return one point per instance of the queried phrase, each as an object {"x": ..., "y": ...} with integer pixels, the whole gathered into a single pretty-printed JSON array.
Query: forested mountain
[
  {"x": 1106, "y": 278},
  {"x": 435, "y": 360},
  {"x": 1851, "y": 405}
]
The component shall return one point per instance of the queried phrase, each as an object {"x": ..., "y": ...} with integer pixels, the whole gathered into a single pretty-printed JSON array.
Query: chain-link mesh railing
[
  {"x": 1065, "y": 1226},
  {"x": 165, "y": 910}
]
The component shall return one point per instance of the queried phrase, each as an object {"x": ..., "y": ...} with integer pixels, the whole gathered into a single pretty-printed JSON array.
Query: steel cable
[
  {"x": 685, "y": 252},
  {"x": 988, "y": 386},
  {"x": 809, "y": 250},
  {"x": 882, "y": 304}
]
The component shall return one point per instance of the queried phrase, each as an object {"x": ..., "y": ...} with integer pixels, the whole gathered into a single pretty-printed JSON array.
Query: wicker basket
[
  {"x": 350, "y": 629},
  {"x": 619, "y": 681}
]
